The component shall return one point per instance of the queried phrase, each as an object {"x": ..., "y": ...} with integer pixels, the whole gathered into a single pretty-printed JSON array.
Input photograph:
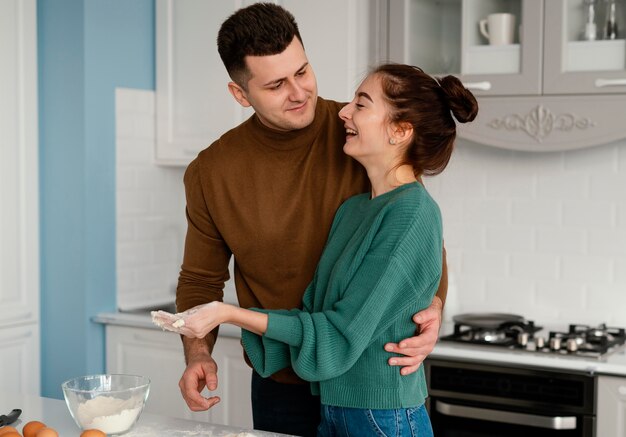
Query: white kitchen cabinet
[
  {"x": 159, "y": 356},
  {"x": 193, "y": 105},
  {"x": 547, "y": 91},
  {"x": 611, "y": 404},
  {"x": 19, "y": 212},
  {"x": 19, "y": 359}
]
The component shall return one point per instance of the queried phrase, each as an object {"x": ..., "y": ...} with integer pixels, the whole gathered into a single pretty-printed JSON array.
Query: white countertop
[
  {"x": 54, "y": 413},
  {"x": 613, "y": 364}
]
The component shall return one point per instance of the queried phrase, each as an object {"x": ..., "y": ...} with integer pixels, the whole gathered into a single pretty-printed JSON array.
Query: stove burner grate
[{"x": 578, "y": 340}]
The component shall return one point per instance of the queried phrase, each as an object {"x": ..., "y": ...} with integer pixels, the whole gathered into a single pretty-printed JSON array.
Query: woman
[{"x": 381, "y": 264}]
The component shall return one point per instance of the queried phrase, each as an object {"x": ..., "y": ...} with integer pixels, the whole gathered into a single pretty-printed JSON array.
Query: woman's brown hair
[{"x": 427, "y": 104}]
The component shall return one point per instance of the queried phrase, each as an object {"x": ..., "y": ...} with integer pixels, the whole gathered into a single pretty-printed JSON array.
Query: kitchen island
[{"x": 54, "y": 413}]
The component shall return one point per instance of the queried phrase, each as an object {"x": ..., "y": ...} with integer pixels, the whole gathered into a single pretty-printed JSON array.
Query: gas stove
[{"x": 515, "y": 332}]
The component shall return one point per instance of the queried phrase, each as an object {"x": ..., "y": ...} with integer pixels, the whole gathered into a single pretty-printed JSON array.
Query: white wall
[{"x": 542, "y": 235}]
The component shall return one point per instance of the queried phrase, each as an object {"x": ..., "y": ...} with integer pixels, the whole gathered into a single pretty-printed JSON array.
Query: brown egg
[
  {"x": 7, "y": 429},
  {"x": 11, "y": 434},
  {"x": 93, "y": 433},
  {"x": 31, "y": 428},
  {"x": 47, "y": 432}
]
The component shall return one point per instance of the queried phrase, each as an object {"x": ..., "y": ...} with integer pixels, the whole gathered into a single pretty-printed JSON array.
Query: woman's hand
[{"x": 196, "y": 322}]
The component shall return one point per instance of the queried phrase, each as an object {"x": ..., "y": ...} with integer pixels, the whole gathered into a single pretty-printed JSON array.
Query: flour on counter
[
  {"x": 199, "y": 431},
  {"x": 108, "y": 414}
]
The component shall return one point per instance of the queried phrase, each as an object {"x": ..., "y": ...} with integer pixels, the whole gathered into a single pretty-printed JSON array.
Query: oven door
[
  {"x": 453, "y": 419},
  {"x": 482, "y": 399}
]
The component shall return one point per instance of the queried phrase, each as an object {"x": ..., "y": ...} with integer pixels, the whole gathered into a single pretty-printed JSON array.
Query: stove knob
[
  {"x": 522, "y": 339},
  {"x": 572, "y": 345},
  {"x": 540, "y": 342},
  {"x": 555, "y": 343}
]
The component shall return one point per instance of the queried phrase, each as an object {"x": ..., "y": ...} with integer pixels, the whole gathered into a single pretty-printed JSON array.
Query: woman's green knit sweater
[{"x": 381, "y": 264}]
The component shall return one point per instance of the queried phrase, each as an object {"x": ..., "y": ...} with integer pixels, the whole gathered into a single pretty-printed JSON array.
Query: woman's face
[{"x": 366, "y": 119}]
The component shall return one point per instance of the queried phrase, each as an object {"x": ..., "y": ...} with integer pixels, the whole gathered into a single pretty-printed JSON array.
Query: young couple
[{"x": 337, "y": 244}]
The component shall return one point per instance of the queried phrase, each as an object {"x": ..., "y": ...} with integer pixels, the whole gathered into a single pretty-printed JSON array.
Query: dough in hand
[{"x": 179, "y": 323}]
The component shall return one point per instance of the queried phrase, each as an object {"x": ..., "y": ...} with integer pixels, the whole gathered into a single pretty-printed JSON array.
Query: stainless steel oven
[{"x": 481, "y": 400}]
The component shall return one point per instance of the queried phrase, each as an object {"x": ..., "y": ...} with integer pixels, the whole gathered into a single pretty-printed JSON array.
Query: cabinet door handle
[
  {"x": 484, "y": 86},
  {"x": 548, "y": 422},
  {"x": 610, "y": 82}
]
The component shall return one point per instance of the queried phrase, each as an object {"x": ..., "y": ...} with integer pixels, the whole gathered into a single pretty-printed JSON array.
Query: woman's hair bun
[{"x": 462, "y": 102}]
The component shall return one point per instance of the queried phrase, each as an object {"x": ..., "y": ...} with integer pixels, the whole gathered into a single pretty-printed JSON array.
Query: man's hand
[
  {"x": 201, "y": 372},
  {"x": 417, "y": 348}
]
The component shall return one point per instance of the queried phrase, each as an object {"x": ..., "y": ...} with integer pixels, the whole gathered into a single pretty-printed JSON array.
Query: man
[{"x": 266, "y": 193}]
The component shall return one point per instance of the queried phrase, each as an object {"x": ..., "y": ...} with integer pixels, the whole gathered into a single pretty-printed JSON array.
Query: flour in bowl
[{"x": 108, "y": 414}]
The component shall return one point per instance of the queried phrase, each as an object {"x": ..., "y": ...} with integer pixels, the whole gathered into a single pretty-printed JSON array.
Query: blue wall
[{"x": 87, "y": 48}]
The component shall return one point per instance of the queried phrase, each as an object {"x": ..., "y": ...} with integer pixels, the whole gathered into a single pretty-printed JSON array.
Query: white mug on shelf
[{"x": 498, "y": 28}]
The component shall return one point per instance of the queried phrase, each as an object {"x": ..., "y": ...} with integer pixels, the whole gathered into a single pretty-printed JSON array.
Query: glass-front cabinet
[
  {"x": 585, "y": 47},
  {"x": 549, "y": 74}
]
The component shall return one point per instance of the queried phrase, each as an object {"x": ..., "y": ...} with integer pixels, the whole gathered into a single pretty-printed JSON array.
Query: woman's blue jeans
[{"x": 358, "y": 422}]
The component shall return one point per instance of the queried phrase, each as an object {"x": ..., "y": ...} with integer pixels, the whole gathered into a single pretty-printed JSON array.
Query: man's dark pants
[{"x": 285, "y": 408}]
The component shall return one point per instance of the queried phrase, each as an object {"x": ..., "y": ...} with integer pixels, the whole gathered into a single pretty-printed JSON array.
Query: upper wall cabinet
[
  {"x": 549, "y": 74},
  {"x": 193, "y": 105}
]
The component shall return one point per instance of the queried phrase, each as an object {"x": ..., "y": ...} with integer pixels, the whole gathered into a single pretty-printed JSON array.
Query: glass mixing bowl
[{"x": 110, "y": 403}]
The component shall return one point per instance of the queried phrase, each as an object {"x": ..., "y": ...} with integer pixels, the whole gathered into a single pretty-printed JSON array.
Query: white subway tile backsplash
[
  {"x": 538, "y": 163},
  {"x": 509, "y": 295},
  {"x": 150, "y": 228},
  {"x": 536, "y": 212},
  {"x": 567, "y": 186},
  {"x": 462, "y": 185},
  {"x": 485, "y": 264},
  {"x": 560, "y": 240},
  {"x": 619, "y": 271},
  {"x": 486, "y": 211},
  {"x": 460, "y": 235},
  {"x": 610, "y": 187},
  {"x": 144, "y": 127},
  {"x": 608, "y": 242},
  {"x": 602, "y": 160},
  {"x": 559, "y": 294},
  {"x": 144, "y": 102},
  {"x": 586, "y": 268},
  {"x": 133, "y": 152},
  {"x": 517, "y": 186},
  {"x": 132, "y": 254},
  {"x": 125, "y": 127},
  {"x": 589, "y": 214},
  {"x": 509, "y": 238},
  {"x": 534, "y": 265},
  {"x": 126, "y": 180},
  {"x": 150, "y": 208},
  {"x": 125, "y": 230},
  {"x": 131, "y": 203},
  {"x": 601, "y": 295}
]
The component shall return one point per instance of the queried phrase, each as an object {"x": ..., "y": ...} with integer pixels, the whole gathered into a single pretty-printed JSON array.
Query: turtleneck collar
[{"x": 289, "y": 140}]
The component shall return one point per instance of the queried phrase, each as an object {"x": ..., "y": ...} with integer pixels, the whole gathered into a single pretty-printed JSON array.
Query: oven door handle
[{"x": 549, "y": 422}]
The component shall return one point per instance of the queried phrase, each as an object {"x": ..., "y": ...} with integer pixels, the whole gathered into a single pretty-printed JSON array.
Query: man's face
[{"x": 282, "y": 88}]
